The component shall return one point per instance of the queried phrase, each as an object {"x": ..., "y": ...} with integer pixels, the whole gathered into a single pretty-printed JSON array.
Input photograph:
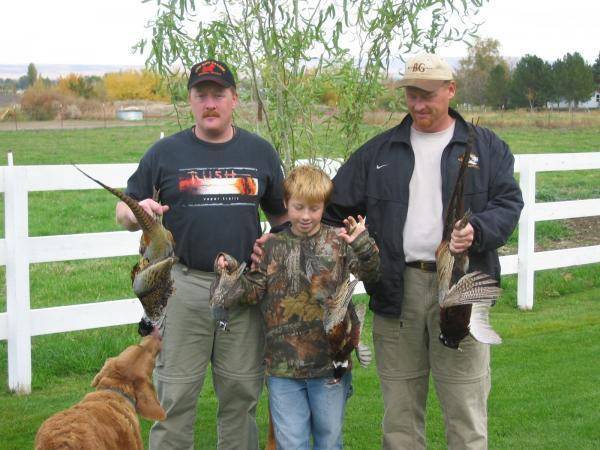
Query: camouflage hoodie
[{"x": 294, "y": 278}]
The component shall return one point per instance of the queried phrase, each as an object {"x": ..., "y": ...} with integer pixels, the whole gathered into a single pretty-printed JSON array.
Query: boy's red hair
[{"x": 308, "y": 183}]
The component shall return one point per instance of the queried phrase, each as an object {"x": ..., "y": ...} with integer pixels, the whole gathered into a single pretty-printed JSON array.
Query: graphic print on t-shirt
[{"x": 210, "y": 186}]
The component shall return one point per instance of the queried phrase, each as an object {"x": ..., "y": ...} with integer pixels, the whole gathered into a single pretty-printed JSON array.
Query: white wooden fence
[{"x": 18, "y": 250}]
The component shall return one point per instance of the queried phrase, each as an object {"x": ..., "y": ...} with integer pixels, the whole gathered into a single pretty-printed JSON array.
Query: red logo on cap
[{"x": 208, "y": 68}]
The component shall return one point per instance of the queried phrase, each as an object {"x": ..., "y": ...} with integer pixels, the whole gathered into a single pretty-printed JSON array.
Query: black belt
[{"x": 427, "y": 266}]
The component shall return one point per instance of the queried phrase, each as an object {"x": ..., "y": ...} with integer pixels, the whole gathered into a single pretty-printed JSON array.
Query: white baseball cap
[{"x": 426, "y": 71}]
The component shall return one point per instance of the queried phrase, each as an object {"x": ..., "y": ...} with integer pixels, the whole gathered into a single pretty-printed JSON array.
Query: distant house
[{"x": 592, "y": 103}]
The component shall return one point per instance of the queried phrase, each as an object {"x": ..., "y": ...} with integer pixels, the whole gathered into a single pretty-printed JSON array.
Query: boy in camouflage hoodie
[{"x": 301, "y": 285}]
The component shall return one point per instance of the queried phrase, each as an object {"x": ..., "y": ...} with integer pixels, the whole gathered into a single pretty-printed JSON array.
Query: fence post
[
  {"x": 526, "y": 274},
  {"x": 17, "y": 278}
]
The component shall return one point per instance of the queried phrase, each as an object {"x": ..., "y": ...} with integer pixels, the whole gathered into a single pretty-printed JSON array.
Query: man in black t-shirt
[{"x": 212, "y": 179}]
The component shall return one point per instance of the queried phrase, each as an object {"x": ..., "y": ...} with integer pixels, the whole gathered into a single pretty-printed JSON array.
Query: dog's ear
[
  {"x": 146, "y": 401},
  {"x": 109, "y": 362}
]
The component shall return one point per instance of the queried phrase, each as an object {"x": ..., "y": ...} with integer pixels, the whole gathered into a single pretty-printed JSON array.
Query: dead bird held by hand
[
  {"x": 464, "y": 298},
  {"x": 151, "y": 276},
  {"x": 221, "y": 289},
  {"x": 343, "y": 322}
]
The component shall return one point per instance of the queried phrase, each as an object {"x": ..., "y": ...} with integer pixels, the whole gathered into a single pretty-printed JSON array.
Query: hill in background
[{"x": 54, "y": 71}]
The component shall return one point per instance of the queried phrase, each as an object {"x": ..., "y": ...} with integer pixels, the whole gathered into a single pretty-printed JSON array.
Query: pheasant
[
  {"x": 343, "y": 322},
  {"x": 221, "y": 291},
  {"x": 151, "y": 276},
  {"x": 464, "y": 298}
]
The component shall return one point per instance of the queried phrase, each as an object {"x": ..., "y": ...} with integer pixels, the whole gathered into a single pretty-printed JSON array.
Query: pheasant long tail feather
[
  {"x": 456, "y": 207},
  {"x": 146, "y": 221},
  {"x": 361, "y": 312},
  {"x": 363, "y": 352}
]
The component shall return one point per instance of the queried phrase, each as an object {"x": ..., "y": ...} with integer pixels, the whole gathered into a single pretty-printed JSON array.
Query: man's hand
[
  {"x": 126, "y": 218},
  {"x": 352, "y": 228},
  {"x": 257, "y": 250},
  {"x": 152, "y": 207},
  {"x": 461, "y": 239}
]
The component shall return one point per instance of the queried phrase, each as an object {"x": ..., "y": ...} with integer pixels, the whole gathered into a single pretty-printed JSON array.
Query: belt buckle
[{"x": 423, "y": 266}]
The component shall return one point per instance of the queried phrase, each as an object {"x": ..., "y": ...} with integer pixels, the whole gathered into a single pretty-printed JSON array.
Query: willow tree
[{"x": 282, "y": 46}]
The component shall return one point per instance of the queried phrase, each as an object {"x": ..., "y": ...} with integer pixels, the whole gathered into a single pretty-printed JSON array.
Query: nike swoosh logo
[{"x": 380, "y": 166}]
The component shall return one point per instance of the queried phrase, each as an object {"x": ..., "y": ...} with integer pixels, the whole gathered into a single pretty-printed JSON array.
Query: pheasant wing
[
  {"x": 335, "y": 307},
  {"x": 473, "y": 288}
]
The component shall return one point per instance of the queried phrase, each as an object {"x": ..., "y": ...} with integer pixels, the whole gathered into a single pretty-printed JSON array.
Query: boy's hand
[
  {"x": 222, "y": 263},
  {"x": 352, "y": 228}
]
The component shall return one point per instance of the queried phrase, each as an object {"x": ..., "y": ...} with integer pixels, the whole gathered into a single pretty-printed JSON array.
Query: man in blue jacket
[{"x": 402, "y": 180}]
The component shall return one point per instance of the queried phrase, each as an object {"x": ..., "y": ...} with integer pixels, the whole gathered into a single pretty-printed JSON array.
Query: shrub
[
  {"x": 71, "y": 112},
  {"x": 80, "y": 86},
  {"x": 94, "y": 109},
  {"x": 9, "y": 114},
  {"x": 327, "y": 94},
  {"x": 390, "y": 98},
  {"x": 134, "y": 85},
  {"x": 41, "y": 102}
]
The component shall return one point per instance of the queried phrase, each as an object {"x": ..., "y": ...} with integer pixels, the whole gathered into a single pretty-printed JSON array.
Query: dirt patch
[{"x": 585, "y": 231}]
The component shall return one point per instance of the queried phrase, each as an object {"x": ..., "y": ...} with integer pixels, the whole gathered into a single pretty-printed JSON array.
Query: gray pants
[
  {"x": 407, "y": 349},
  {"x": 190, "y": 343}
]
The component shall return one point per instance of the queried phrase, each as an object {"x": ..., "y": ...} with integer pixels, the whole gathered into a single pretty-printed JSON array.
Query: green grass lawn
[{"x": 546, "y": 374}]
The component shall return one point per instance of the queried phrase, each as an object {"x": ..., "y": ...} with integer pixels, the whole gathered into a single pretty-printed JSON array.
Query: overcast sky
[{"x": 103, "y": 31}]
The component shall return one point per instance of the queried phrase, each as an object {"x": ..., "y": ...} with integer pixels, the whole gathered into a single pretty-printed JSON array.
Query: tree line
[
  {"x": 487, "y": 79},
  {"x": 75, "y": 96},
  {"x": 123, "y": 85}
]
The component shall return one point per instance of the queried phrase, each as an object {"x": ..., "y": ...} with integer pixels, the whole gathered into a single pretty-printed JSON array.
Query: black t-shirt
[{"x": 213, "y": 191}]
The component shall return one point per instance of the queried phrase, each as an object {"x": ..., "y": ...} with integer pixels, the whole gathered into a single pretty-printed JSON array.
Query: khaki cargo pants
[
  {"x": 190, "y": 343},
  {"x": 406, "y": 350}
]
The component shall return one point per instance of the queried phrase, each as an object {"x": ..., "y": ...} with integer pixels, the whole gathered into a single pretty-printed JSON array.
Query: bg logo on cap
[{"x": 418, "y": 67}]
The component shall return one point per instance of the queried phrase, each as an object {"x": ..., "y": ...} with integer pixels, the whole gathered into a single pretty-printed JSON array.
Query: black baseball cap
[{"x": 211, "y": 70}]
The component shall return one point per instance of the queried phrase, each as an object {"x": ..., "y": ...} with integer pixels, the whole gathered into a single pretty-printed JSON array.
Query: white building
[{"x": 592, "y": 103}]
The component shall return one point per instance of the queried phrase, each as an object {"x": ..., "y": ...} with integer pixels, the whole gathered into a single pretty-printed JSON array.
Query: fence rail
[{"x": 18, "y": 250}]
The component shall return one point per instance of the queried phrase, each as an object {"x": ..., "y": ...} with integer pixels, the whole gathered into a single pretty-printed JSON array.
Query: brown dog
[{"x": 106, "y": 419}]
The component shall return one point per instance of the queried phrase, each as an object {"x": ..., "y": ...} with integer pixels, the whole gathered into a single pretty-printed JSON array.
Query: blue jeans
[{"x": 301, "y": 407}]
